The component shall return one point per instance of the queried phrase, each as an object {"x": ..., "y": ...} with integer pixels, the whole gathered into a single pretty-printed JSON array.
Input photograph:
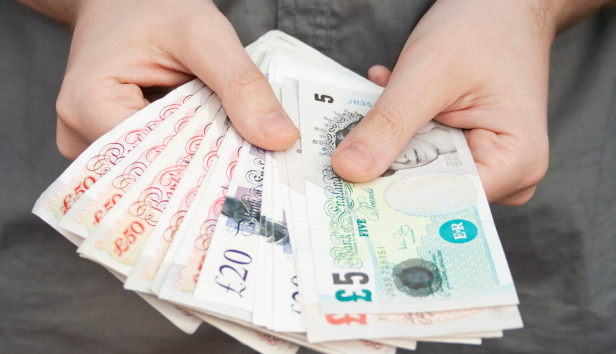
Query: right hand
[
  {"x": 120, "y": 47},
  {"x": 478, "y": 65}
]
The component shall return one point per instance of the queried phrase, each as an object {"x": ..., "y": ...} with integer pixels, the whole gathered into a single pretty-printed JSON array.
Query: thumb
[
  {"x": 416, "y": 92},
  {"x": 217, "y": 57}
]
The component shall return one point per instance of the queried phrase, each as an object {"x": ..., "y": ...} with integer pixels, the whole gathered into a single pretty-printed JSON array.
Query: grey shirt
[{"x": 560, "y": 245}]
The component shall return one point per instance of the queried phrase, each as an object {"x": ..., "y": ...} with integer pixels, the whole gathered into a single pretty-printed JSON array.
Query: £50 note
[
  {"x": 103, "y": 154},
  {"x": 197, "y": 175},
  {"x": 118, "y": 239},
  {"x": 96, "y": 202}
]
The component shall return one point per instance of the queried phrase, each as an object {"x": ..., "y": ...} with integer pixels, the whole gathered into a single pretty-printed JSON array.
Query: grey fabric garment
[{"x": 560, "y": 245}]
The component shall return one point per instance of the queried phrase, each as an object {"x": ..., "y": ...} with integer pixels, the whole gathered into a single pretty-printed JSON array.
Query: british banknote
[
  {"x": 183, "y": 264},
  {"x": 228, "y": 273},
  {"x": 196, "y": 176},
  {"x": 419, "y": 238},
  {"x": 104, "y": 154},
  {"x": 95, "y": 203},
  {"x": 273, "y": 247},
  {"x": 351, "y": 326},
  {"x": 118, "y": 239}
]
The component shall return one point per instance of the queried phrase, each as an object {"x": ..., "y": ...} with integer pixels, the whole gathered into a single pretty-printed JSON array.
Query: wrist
[
  {"x": 63, "y": 11},
  {"x": 79, "y": 7},
  {"x": 545, "y": 15},
  {"x": 567, "y": 13}
]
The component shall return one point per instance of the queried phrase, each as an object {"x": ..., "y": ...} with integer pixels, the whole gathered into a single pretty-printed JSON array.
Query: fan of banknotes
[{"x": 272, "y": 247}]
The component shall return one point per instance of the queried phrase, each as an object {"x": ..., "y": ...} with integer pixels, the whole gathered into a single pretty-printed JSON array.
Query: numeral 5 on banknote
[{"x": 341, "y": 295}]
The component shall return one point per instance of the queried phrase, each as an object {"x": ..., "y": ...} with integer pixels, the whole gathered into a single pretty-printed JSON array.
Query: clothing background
[{"x": 560, "y": 245}]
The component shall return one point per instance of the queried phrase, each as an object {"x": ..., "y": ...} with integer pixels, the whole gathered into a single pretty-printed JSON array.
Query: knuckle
[
  {"x": 248, "y": 82},
  {"x": 527, "y": 196},
  {"x": 66, "y": 111},
  {"x": 66, "y": 150},
  {"x": 389, "y": 121},
  {"x": 537, "y": 166},
  {"x": 521, "y": 198},
  {"x": 90, "y": 110},
  {"x": 535, "y": 176}
]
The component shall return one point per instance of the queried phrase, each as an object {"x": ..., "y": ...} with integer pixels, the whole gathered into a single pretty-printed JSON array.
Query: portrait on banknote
[{"x": 432, "y": 142}]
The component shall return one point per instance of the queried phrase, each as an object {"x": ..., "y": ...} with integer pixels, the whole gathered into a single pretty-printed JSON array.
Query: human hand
[
  {"x": 120, "y": 47},
  {"x": 477, "y": 65}
]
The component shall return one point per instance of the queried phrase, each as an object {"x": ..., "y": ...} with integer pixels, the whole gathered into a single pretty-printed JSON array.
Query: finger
[
  {"x": 517, "y": 198},
  {"x": 70, "y": 143},
  {"x": 90, "y": 108},
  {"x": 510, "y": 160},
  {"x": 379, "y": 75},
  {"x": 417, "y": 90},
  {"x": 482, "y": 118},
  {"x": 217, "y": 57},
  {"x": 103, "y": 82},
  {"x": 509, "y": 174}
]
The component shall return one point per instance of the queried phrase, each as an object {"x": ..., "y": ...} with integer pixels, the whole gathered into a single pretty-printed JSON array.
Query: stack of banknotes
[{"x": 272, "y": 247}]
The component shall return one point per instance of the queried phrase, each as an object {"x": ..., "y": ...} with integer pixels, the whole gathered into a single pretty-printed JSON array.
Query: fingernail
[
  {"x": 275, "y": 123},
  {"x": 358, "y": 155}
]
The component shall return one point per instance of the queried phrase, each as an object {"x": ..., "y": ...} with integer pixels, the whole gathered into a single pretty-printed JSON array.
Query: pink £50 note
[
  {"x": 103, "y": 154},
  {"x": 101, "y": 157},
  {"x": 197, "y": 176},
  {"x": 96, "y": 202},
  {"x": 118, "y": 239}
]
